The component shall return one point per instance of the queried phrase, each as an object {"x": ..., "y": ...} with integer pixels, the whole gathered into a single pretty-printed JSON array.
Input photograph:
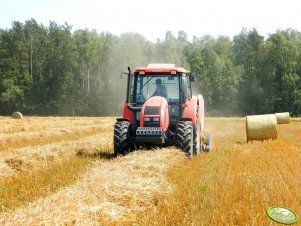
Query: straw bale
[
  {"x": 261, "y": 127},
  {"x": 283, "y": 118},
  {"x": 17, "y": 115}
]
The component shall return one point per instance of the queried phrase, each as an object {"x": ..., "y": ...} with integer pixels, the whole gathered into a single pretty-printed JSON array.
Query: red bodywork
[
  {"x": 156, "y": 102},
  {"x": 127, "y": 113},
  {"x": 190, "y": 109}
]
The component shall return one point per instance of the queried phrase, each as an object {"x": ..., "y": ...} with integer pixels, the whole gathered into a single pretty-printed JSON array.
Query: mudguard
[
  {"x": 201, "y": 110},
  {"x": 127, "y": 113},
  {"x": 193, "y": 106}
]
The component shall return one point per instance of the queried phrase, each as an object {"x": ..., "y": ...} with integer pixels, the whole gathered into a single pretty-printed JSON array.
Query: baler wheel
[{"x": 206, "y": 144}]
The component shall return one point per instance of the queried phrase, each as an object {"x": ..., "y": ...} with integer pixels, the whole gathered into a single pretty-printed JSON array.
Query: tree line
[{"x": 54, "y": 71}]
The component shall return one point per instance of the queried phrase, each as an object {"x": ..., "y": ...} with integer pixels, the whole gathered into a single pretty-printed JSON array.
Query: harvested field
[
  {"x": 233, "y": 184},
  {"x": 38, "y": 141},
  {"x": 38, "y": 130}
]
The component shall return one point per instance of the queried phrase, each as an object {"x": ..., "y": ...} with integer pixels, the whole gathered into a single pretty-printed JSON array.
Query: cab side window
[{"x": 185, "y": 87}]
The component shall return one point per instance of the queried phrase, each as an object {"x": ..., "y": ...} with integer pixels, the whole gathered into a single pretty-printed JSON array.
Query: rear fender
[
  {"x": 191, "y": 107},
  {"x": 122, "y": 120},
  {"x": 127, "y": 113},
  {"x": 201, "y": 114}
]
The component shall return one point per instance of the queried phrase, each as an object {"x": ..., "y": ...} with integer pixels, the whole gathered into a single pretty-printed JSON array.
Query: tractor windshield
[{"x": 166, "y": 86}]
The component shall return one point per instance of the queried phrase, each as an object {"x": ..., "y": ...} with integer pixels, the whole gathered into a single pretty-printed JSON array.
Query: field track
[{"x": 233, "y": 184}]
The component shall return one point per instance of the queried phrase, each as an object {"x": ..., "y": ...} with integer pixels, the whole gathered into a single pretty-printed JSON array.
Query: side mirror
[
  {"x": 126, "y": 73},
  {"x": 192, "y": 77}
]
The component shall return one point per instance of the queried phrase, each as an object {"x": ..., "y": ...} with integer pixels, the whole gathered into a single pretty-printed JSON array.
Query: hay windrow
[
  {"x": 111, "y": 192},
  {"x": 40, "y": 131},
  {"x": 51, "y": 124},
  {"x": 34, "y": 157}
]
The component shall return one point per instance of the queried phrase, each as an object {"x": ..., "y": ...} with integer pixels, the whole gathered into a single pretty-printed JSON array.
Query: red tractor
[{"x": 161, "y": 110}]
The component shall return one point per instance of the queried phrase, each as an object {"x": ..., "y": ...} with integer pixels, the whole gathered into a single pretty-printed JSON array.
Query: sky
[{"x": 153, "y": 18}]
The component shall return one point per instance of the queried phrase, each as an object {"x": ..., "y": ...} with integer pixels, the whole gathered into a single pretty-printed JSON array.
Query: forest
[{"x": 55, "y": 71}]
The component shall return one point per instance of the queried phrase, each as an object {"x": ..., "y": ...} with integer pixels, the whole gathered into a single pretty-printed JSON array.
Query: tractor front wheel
[
  {"x": 122, "y": 135},
  {"x": 185, "y": 137}
]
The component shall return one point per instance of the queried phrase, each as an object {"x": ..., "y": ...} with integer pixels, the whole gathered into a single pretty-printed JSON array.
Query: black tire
[
  {"x": 122, "y": 135},
  {"x": 185, "y": 137}
]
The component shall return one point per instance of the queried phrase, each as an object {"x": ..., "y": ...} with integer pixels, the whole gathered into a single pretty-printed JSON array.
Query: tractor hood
[{"x": 154, "y": 113}]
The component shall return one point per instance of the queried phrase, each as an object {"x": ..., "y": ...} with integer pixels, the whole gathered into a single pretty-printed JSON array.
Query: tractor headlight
[
  {"x": 156, "y": 119},
  {"x": 146, "y": 119}
]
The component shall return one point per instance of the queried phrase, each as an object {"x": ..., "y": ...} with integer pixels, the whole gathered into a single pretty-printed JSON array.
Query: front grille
[
  {"x": 149, "y": 110},
  {"x": 152, "y": 124},
  {"x": 146, "y": 131}
]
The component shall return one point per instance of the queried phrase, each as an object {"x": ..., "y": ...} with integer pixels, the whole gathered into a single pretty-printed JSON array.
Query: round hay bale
[
  {"x": 283, "y": 118},
  {"x": 17, "y": 115},
  {"x": 261, "y": 127}
]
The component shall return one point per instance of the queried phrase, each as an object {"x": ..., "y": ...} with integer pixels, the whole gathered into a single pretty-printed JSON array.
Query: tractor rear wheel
[
  {"x": 185, "y": 137},
  {"x": 122, "y": 135}
]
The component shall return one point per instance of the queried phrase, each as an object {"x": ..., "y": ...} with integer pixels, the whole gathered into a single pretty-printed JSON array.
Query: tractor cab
[
  {"x": 171, "y": 83},
  {"x": 160, "y": 110}
]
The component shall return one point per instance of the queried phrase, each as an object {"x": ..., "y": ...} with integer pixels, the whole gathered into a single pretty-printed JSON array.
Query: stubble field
[{"x": 60, "y": 170}]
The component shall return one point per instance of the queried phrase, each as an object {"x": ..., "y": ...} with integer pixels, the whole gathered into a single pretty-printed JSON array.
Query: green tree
[
  {"x": 170, "y": 49},
  {"x": 14, "y": 68},
  {"x": 283, "y": 49},
  {"x": 247, "y": 49},
  {"x": 60, "y": 64},
  {"x": 217, "y": 77}
]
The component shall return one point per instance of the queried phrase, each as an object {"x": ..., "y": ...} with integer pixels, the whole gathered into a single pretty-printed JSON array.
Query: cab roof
[{"x": 161, "y": 68}]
